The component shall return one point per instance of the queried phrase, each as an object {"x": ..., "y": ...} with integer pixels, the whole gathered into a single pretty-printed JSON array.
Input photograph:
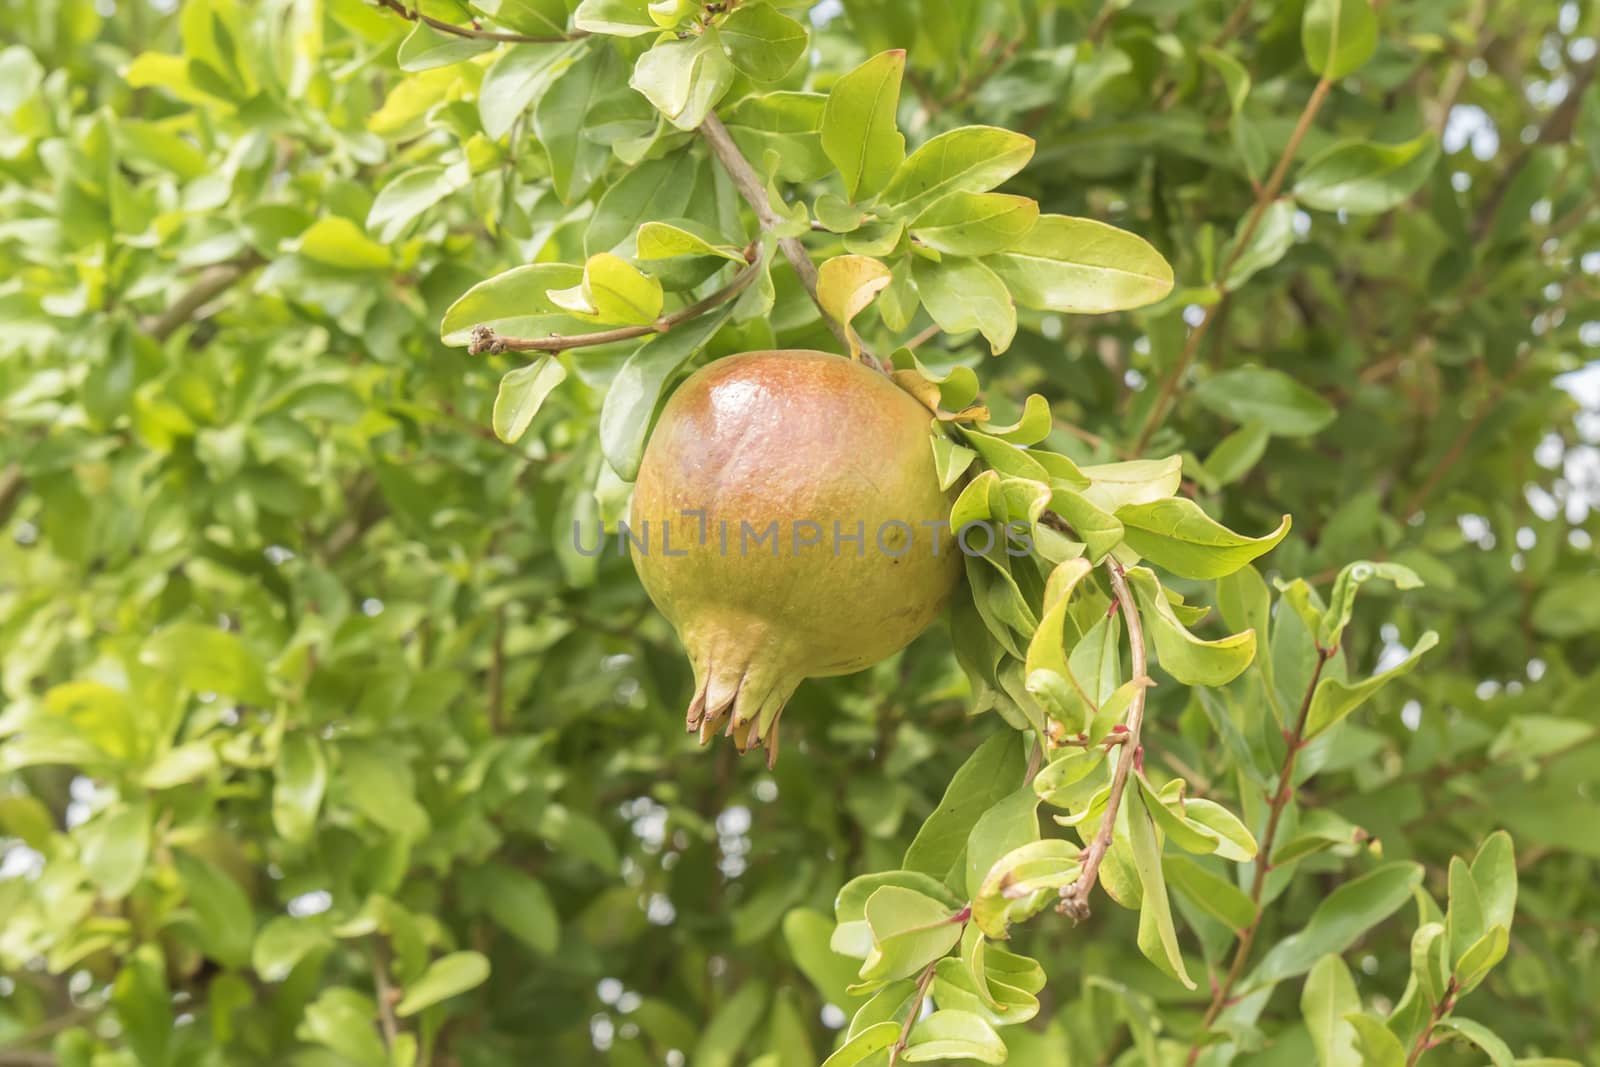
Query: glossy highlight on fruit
[{"x": 793, "y": 527}]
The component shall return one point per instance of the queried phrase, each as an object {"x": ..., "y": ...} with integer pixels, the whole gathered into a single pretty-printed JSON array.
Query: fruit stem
[{"x": 754, "y": 191}]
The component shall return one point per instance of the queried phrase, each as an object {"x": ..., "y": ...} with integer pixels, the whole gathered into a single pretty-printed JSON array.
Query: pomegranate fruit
[{"x": 793, "y": 527}]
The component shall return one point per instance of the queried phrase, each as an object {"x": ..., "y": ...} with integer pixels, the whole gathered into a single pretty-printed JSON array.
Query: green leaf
[
  {"x": 560, "y": 119},
  {"x": 1376, "y": 1044},
  {"x": 1429, "y": 946},
  {"x": 846, "y": 285},
  {"x": 963, "y": 294},
  {"x": 909, "y": 931},
  {"x": 1328, "y": 998},
  {"x": 516, "y": 79},
  {"x": 1268, "y": 397},
  {"x": 1494, "y": 873},
  {"x": 204, "y": 659},
  {"x": 861, "y": 1047},
  {"x": 536, "y": 18},
  {"x": 1334, "y": 699},
  {"x": 341, "y": 1019},
  {"x": 655, "y": 189},
  {"x": 283, "y": 942},
  {"x": 613, "y": 291},
  {"x": 1033, "y": 426},
  {"x": 782, "y": 131},
  {"x": 1481, "y": 957},
  {"x": 446, "y": 977},
  {"x": 616, "y": 18},
  {"x": 1139, "y": 481},
  {"x": 1497, "y": 1050},
  {"x": 1099, "y": 530},
  {"x": 731, "y": 1027},
  {"x": 1007, "y": 826},
  {"x": 954, "y": 1035},
  {"x": 684, "y": 79},
  {"x": 764, "y": 43},
  {"x": 1022, "y": 881},
  {"x": 1234, "y": 840},
  {"x": 1082, "y": 266},
  {"x": 519, "y": 904},
  {"x": 950, "y": 460},
  {"x": 513, "y": 303},
  {"x": 1158, "y": 938},
  {"x": 807, "y": 934},
  {"x": 852, "y": 936},
  {"x": 859, "y": 133},
  {"x": 1341, "y": 917},
  {"x": 996, "y": 1002},
  {"x": 425, "y": 48},
  {"x": 299, "y": 782},
  {"x": 1569, "y": 608},
  {"x": 113, "y": 848},
  {"x": 661, "y": 240},
  {"x": 626, "y": 412},
  {"x": 1533, "y": 737},
  {"x": 989, "y": 774},
  {"x": 1269, "y": 243},
  {"x": 521, "y": 393},
  {"x": 975, "y": 224},
  {"x": 337, "y": 242},
  {"x": 224, "y": 914},
  {"x": 1363, "y": 178},
  {"x": 967, "y": 159},
  {"x": 1238, "y": 453},
  {"x": 1338, "y": 36},
  {"x": 411, "y": 193},
  {"x": 1181, "y": 654},
  {"x": 1341, "y": 602},
  {"x": 1177, "y": 535},
  {"x": 1216, "y": 896}
]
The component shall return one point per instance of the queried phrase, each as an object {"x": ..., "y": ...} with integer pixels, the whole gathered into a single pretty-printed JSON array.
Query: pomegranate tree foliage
[{"x": 324, "y": 741}]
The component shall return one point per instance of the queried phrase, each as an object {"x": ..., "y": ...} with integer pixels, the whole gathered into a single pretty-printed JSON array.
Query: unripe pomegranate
[{"x": 794, "y": 528}]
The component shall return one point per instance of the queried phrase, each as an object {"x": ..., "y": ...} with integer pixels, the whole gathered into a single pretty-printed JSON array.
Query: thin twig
[
  {"x": 750, "y": 186},
  {"x": 924, "y": 980},
  {"x": 1258, "y": 883},
  {"x": 1264, "y": 198},
  {"x": 475, "y": 32},
  {"x": 1234, "y": 24},
  {"x": 212, "y": 283},
  {"x": 387, "y": 995},
  {"x": 1555, "y": 128},
  {"x": 484, "y": 339},
  {"x": 1075, "y": 898},
  {"x": 1458, "y": 447},
  {"x": 1425, "y": 1039}
]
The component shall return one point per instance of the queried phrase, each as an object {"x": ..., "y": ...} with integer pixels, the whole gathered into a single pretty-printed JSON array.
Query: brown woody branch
[
  {"x": 474, "y": 32},
  {"x": 754, "y": 191},
  {"x": 212, "y": 283},
  {"x": 1264, "y": 198},
  {"x": 1258, "y": 883},
  {"x": 484, "y": 339}
]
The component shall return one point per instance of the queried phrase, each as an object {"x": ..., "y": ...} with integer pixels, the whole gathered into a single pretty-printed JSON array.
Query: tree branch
[
  {"x": 1258, "y": 883},
  {"x": 924, "y": 980},
  {"x": 475, "y": 32},
  {"x": 1075, "y": 898},
  {"x": 1557, "y": 127},
  {"x": 750, "y": 186},
  {"x": 212, "y": 283},
  {"x": 1264, "y": 198},
  {"x": 484, "y": 339}
]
